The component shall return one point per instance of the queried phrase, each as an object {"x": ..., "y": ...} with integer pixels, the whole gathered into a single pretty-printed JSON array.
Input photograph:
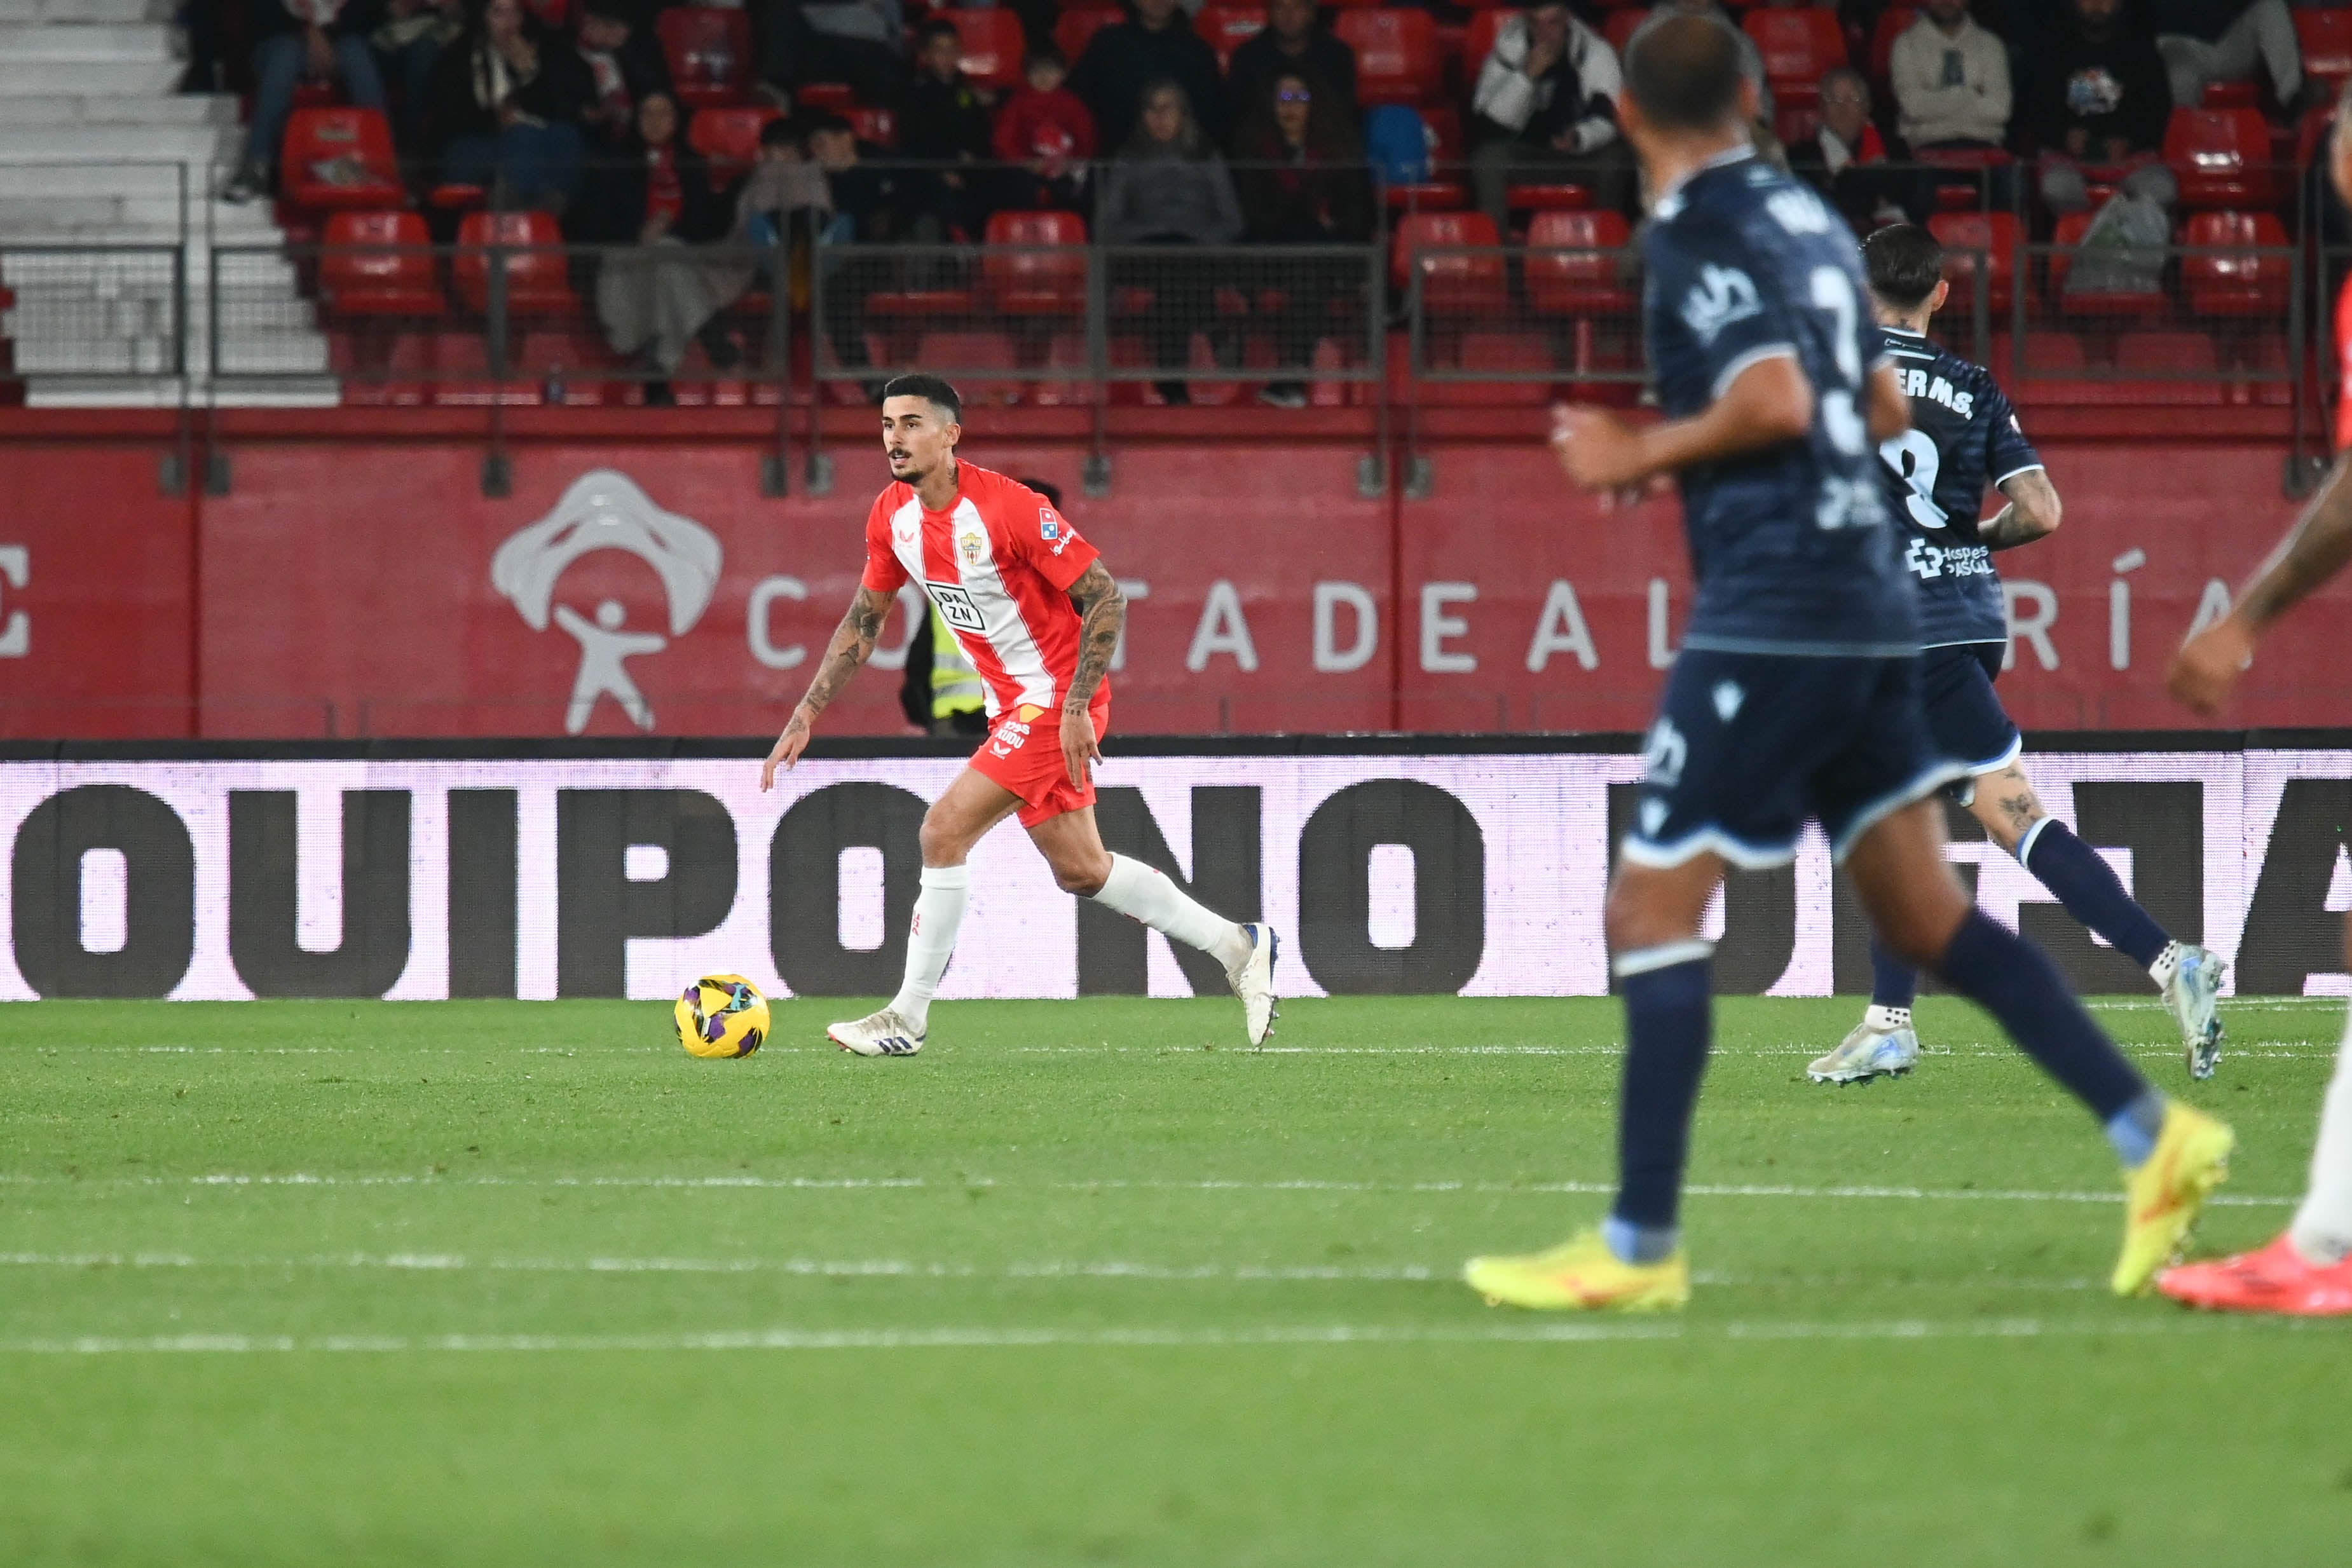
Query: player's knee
[
  {"x": 1920, "y": 927},
  {"x": 1632, "y": 921},
  {"x": 941, "y": 842},
  {"x": 1082, "y": 874}
]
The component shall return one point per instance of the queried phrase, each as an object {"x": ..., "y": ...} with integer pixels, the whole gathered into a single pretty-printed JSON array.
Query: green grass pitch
[{"x": 517, "y": 1283}]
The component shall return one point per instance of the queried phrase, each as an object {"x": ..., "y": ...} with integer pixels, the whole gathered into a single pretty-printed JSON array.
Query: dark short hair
[
  {"x": 1046, "y": 487},
  {"x": 610, "y": 10},
  {"x": 1904, "y": 263},
  {"x": 825, "y": 121},
  {"x": 1683, "y": 72},
  {"x": 934, "y": 390},
  {"x": 934, "y": 29},
  {"x": 1044, "y": 55},
  {"x": 782, "y": 133}
]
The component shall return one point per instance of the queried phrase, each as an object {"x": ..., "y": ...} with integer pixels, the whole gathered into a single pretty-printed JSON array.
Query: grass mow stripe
[
  {"x": 299, "y": 1179},
  {"x": 1582, "y": 1331}
]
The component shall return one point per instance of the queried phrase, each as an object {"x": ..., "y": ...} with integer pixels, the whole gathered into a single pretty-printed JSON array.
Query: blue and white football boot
[
  {"x": 1882, "y": 1044},
  {"x": 2191, "y": 978}
]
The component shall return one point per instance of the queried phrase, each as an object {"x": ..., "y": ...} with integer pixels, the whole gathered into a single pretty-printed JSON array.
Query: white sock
[
  {"x": 1141, "y": 893},
  {"x": 930, "y": 939},
  {"x": 1886, "y": 1020},
  {"x": 2323, "y": 1226},
  {"x": 2166, "y": 962}
]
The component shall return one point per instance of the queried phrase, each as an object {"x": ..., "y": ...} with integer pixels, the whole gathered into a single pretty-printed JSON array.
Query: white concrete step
[
  {"x": 75, "y": 111},
  {"x": 150, "y": 181},
  {"x": 204, "y": 144},
  {"x": 24, "y": 42},
  {"x": 102, "y": 220},
  {"x": 151, "y": 78},
  {"x": 166, "y": 391}
]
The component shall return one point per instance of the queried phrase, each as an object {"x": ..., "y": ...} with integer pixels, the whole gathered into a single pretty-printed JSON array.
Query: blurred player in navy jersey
[
  {"x": 2306, "y": 1271},
  {"x": 1796, "y": 693},
  {"x": 1964, "y": 431}
]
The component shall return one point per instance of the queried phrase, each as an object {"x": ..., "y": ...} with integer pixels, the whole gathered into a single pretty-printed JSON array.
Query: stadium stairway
[{"x": 106, "y": 175}]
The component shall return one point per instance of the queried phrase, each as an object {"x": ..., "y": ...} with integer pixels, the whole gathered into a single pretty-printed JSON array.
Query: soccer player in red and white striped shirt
[{"x": 1040, "y": 617}]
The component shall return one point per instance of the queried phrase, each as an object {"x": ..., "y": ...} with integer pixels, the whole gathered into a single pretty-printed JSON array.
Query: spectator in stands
[
  {"x": 855, "y": 42},
  {"x": 1293, "y": 40},
  {"x": 944, "y": 121},
  {"x": 503, "y": 109},
  {"x": 319, "y": 40},
  {"x": 1544, "y": 111},
  {"x": 1157, "y": 44},
  {"x": 406, "y": 42},
  {"x": 2101, "y": 96},
  {"x": 1952, "y": 80},
  {"x": 1169, "y": 187},
  {"x": 625, "y": 67},
  {"x": 1846, "y": 159},
  {"x": 654, "y": 298},
  {"x": 2205, "y": 41},
  {"x": 1302, "y": 181},
  {"x": 1046, "y": 133}
]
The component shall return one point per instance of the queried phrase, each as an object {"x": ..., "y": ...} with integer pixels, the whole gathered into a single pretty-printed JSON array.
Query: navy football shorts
[
  {"x": 1748, "y": 745},
  {"x": 1964, "y": 718}
]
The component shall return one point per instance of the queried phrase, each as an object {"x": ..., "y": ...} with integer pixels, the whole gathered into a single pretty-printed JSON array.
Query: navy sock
[
  {"x": 2091, "y": 891},
  {"x": 1894, "y": 983},
  {"x": 2013, "y": 979},
  {"x": 1669, "y": 1016}
]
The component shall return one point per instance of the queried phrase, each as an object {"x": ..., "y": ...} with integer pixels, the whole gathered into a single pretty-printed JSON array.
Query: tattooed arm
[
  {"x": 2313, "y": 550},
  {"x": 2032, "y": 513},
  {"x": 1102, "y": 616},
  {"x": 851, "y": 645}
]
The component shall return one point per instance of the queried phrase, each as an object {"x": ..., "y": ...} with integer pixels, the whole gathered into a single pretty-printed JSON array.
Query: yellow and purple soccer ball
[{"x": 722, "y": 1016}]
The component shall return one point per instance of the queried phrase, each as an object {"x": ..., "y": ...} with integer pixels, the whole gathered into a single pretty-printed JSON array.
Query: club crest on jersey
[
  {"x": 970, "y": 547},
  {"x": 1723, "y": 295}
]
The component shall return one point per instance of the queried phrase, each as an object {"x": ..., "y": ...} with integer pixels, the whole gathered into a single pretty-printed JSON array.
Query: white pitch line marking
[{"x": 2156, "y": 1322}]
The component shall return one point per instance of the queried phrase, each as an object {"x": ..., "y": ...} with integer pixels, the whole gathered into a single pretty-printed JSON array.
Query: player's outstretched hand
[
  {"x": 1080, "y": 747},
  {"x": 786, "y": 751},
  {"x": 1597, "y": 449},
  {"x": 2210, "y": 664}
]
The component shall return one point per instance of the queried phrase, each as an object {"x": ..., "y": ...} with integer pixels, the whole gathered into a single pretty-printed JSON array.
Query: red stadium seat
[
  {"x": 875, "y": 126},
  {"x": 1547, "y": 198},
  {"x": 1227, "y": 29},
  {"x": 1397, "y": 59},
  {"x": 1036, "y": 282},
  {"x": 2254, "y": 282},
  {"x": 709, "y": 53},
  {"x": 1450, "y": 284},
  {"x": 379, "y": 264},
  {"x": 2326, "y": 38},
  {"x": 339, "y": 160},
  {"x": 1571, "y": 264},
  {"x": 1079, "y": 24},
  {"x": 966, "y": 355},
  {"x": 1961, "y": 235},
  {"x": 992, "y": 46},
  {"x": 1522, "y": 368},
  {"x": 538, "y": 282},
  {"x": 1893, "y": 23},
  {"x": 1798, "y": 46},
  {"x": 2230, "y": 95},
  {"x": 1620, "y": 26},
  {"x": 2221, "y": 158},
  {"x": 1478, "y": 39},
  {"x": 729, "y": 139},
  {"x": 828, "y": 97}
]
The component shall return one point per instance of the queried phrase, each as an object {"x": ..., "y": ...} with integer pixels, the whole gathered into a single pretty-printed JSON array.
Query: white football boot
[
  {"x": 1253, "y": 981},
  {"x": 2192, "y": 989},
  {"x": 1883, "y": 1042},
  {"x": 886, "y": 1033}
]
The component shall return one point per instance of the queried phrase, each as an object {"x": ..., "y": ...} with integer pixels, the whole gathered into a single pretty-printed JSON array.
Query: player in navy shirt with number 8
[
  {"x": 1963, "y": 433},
  {"x": 1795, "y": 694}
]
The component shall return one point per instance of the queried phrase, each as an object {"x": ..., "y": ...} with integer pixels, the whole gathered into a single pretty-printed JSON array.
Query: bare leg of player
[
  {"x": 1072, "y": 845},
  {"x": 2188, "y": 976},
  {"x": 2306, "y": 1271}
]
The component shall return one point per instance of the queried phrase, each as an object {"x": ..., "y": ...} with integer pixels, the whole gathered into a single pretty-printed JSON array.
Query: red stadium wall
[{"x": 345, "y": 587}]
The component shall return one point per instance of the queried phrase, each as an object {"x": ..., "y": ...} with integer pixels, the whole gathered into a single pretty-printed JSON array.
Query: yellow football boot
[
  {"x": 1581, "y": 1275},
  {"x": 2162, "y": 1197}
]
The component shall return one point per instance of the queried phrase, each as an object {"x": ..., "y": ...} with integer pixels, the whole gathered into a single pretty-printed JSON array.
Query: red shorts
[{"x": 1024, "y": 755}]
